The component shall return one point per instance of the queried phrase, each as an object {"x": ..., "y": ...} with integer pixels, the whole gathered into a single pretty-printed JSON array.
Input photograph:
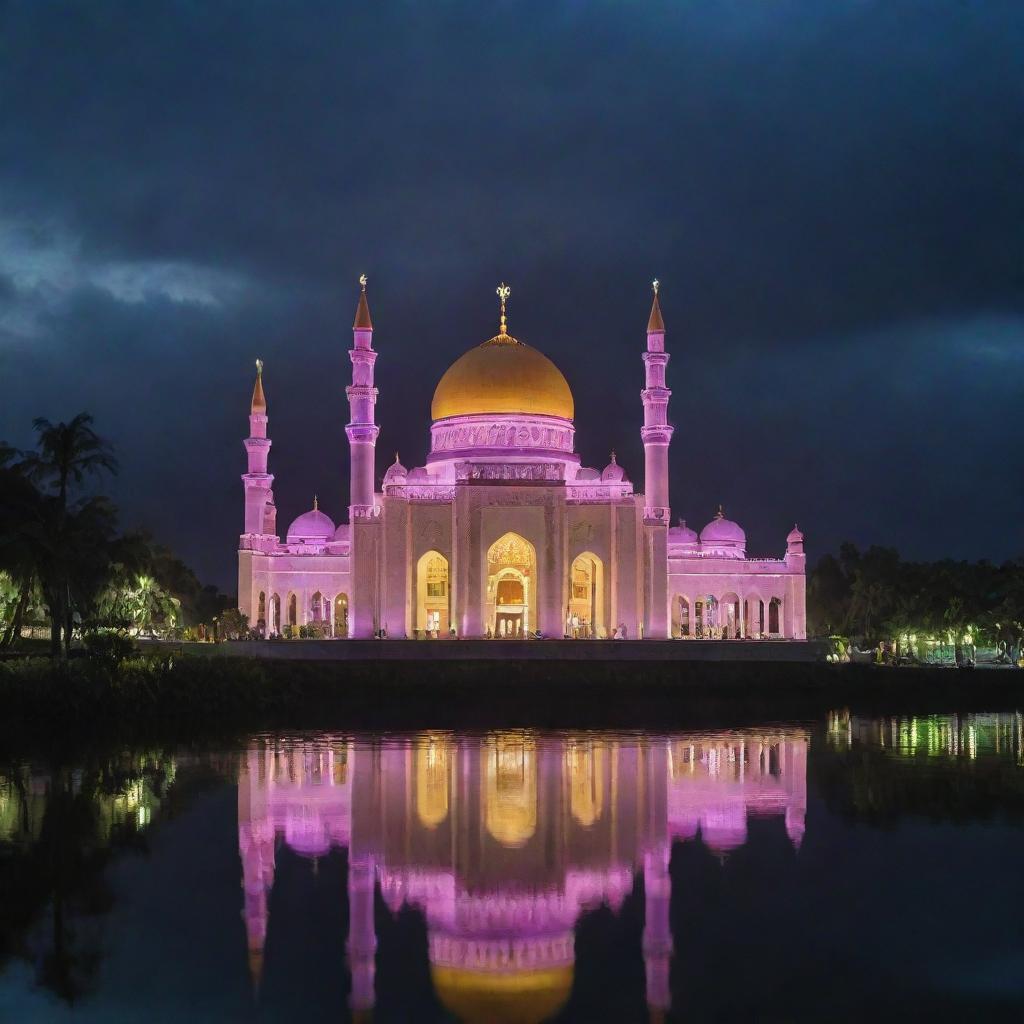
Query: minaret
[
  {"x": 363, "y": 513},
  {"x": 656, "y": 431},
  {"x": 657, "y": 435},
  {"x": 362, "y": 398},
  {"x": 257, "y": 480}
]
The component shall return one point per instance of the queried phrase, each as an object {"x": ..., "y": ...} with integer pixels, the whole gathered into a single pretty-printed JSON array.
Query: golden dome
[
  {"x": 516, "y": 997},
  {"x": 502, "y": 376}
]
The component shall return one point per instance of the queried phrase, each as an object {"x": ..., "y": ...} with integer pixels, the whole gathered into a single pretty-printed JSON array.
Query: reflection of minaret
[
  {"x": 256, "y": 847},
  {"x": 362, "y": 936},
  {"x": 795, "y": 771},
  {"x": 657, "y": 938}
]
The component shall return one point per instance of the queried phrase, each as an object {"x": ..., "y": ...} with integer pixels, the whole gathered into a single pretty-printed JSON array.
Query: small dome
[
  {"x": 396, "y": 473},
  {"x": 418, "y": 473},
  {"x": 682, "y": 534},
  {"x": 312, "y": 526},
  {"x": 586, "y": 473},
  {"x": 723, "y": 534},
  {"x": 613, "y": 472},
  {"x": 342, "y": 532},
  {"x": 795, "y": 536}
]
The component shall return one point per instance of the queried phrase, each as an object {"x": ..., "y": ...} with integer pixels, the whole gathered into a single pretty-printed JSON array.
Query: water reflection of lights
[{"x": 503, "y": 841}]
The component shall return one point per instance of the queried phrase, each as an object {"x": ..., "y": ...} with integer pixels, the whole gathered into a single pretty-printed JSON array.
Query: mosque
[{"x": 503, "y": 532}]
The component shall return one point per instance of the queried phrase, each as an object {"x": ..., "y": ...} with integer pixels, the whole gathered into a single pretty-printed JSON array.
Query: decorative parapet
[
  {"x": 517, "y": 472},
  {"x": 364, "y": 513},
  {"x": 595, "y": 492}
]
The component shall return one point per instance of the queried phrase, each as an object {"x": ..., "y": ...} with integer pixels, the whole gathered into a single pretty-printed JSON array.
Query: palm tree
[
  {"x": 21, "y": 505},
  {"x": 68, "y": 546},
  {"x": 68, "y": 452}
]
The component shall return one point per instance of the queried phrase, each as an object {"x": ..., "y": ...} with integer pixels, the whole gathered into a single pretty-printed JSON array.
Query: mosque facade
[{"x": 503, "y": 532}]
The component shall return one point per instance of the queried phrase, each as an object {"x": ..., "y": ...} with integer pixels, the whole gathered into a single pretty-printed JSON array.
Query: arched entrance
[
  {"x": 775, "y": 616},
  {"x": 585, "y": 619},
  {"x": 432, "y": 594},
  {"x": 511, "y": 587},
  {"x": 275, "y": 614},
  {"x": 754, "y": 615},
  {"x": 341, "y": 615},
  {"x": 317, "y": 608},
  {"x": 261, "y": 614},
  {"x": 729, "y": 612},
  {"x": 293, "y": 610},
  {"x": 683, "y": 612}
]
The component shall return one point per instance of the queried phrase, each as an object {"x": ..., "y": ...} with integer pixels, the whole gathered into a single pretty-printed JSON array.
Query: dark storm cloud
[{"x": 830, "y": 192}]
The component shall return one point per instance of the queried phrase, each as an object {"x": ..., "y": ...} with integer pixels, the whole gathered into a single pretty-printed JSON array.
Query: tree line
[
  {"x": 63, "y": 560},
  {"x": 875, "y": 595}
]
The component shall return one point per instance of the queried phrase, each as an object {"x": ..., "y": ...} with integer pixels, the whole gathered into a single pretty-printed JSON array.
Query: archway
[
  {"x": 775, "y": 616},
  {"x": 754, "y": 615},
  {"x": 729, "y": 612},
  {"x": 511, "y": 587},
  {"x": 261, "y": 614},
  {"x": 706, "y": 615},
  {"x": 586, "y": 597},
  {"x": 293, "y": 610},
  {"x": 317, "y": 608},
  {"x": 432, "y": 594},
  {"x": 275, "y": 614},
  {"x": 683, "y": 623},
  {"x": 341, "y": 615}
]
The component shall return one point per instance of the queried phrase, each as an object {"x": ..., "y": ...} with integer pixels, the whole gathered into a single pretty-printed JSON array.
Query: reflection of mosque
[{"x": 504, "y": 841}]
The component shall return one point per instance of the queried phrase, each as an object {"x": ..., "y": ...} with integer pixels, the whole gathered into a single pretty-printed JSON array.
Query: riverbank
[{"x": 184, "y": 699}]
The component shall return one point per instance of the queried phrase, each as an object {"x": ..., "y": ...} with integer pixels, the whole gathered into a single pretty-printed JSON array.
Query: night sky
[{"x": 832, "y": 194}]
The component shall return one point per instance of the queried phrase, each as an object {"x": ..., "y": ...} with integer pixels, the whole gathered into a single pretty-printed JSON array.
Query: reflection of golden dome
[
  {"x": 502, "y": 376},
  {"x": 516, "y": 997}
]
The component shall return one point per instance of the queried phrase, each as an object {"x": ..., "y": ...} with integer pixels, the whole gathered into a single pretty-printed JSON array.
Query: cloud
[{"x": 42, "y": 269}]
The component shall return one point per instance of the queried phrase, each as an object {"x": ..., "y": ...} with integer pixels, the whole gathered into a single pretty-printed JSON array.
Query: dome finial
[
  {"x": 362, "y": 321},
  {"x": 504, "y": 292},
  {"x": 720, "y": 514},
  {"x": 614, "y": 463},
  {"x": 316, "y": 503}
]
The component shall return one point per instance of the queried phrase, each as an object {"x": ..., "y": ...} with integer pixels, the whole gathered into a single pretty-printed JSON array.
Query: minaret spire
[
  {"x": 654, "y": 321},
  {"x": 362, "y": 321},
  {"x": 259, "y": 400}
]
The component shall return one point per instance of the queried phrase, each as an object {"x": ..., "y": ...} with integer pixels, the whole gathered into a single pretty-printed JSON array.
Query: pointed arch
[
  {"x": 585, "y": 617},
  {"x": 433, "y": 594},
  {"x": 511, "y": 598}
]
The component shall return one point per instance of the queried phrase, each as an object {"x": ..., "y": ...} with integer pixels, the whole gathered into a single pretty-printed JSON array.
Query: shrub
[{"x": 109, "y": 648}]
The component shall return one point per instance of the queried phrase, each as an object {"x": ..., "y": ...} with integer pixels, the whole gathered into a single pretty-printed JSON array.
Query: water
[{"x": 843, "y": 870}]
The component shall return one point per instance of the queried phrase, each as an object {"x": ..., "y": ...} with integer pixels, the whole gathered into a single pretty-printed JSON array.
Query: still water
[{"x": 851, "y": 869}]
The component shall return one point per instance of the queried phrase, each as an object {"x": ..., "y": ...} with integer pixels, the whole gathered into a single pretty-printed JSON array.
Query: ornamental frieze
[
  {"x": 525, "y": 471},
  {"x": 501, "y": 435}
]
